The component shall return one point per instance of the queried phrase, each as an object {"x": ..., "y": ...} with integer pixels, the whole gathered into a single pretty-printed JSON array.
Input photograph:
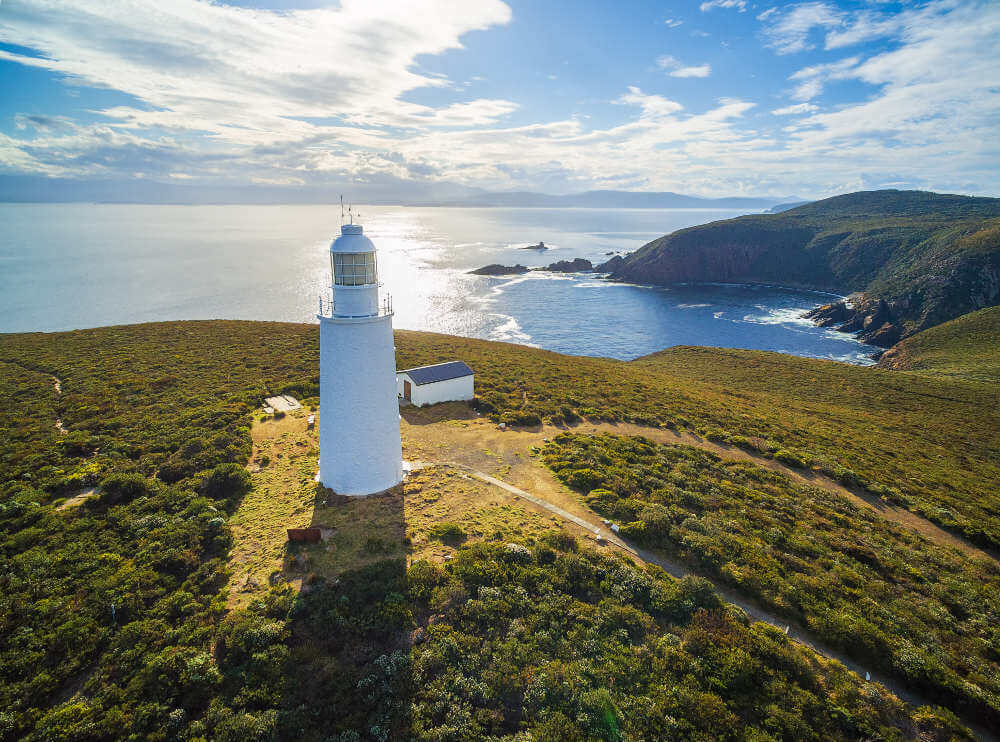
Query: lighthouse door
[{"x": 406, "y": 390}]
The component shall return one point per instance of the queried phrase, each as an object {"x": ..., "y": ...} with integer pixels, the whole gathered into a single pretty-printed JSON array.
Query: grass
[{"x": 965, "y": 348}]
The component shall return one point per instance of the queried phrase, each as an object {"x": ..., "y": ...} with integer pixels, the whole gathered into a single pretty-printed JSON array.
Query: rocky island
[
  {"x": 576, "y": 265},
  {"x": 495, "y": 269}
]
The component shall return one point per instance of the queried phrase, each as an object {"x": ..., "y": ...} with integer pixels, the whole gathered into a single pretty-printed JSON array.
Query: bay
[{"x": 68, "y": 266}]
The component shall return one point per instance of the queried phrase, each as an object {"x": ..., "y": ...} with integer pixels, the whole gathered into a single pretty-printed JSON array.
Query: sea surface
[{"x": 67, "y": 266}]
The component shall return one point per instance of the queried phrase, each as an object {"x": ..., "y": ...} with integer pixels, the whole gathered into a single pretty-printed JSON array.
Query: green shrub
[
  {"x": 806, "y": 553},
  {"x": 227, "y": 482},
  {"x": 448, "y": 533},
  {"x": 791, "y": 459},
  {"x": 583, "y": 480},
  {"x": 121, "y": 488}
]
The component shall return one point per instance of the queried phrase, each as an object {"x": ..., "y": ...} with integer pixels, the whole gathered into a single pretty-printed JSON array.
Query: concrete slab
[{"x": 283, "y": 403}]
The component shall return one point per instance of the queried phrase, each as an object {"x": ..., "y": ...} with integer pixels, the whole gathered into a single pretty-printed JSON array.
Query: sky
[{"x": 710, "y": 98}]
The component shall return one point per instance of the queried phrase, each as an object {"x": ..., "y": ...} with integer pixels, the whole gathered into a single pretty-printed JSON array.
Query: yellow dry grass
[{"x": 358, "y": 531}]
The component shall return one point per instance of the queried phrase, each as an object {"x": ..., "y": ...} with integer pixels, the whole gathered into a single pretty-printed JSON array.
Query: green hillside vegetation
[
  {"x": 965, "y": 348},
  {"x": 931, "y": 444},
  {"x": 931, "y": 257},
  {"x": 888, "y": 597},
  {"x": 113, "y": 612}
]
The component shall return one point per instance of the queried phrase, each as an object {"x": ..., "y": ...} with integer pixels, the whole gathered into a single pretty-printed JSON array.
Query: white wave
[
  {"x": 509, "y": 331},
  {"x": 779, "y": 317},
  {"x": 497, "y": 284},
  {"x": 693, "y": 306},
  {"x": 718, "y": 315},
  {"x": 595, "y": 285},
  {"x": 513, "y": 280}
]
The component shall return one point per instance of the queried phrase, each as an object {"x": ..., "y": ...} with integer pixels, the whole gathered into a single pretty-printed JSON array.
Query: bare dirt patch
[{"x": 79, "y": 498}]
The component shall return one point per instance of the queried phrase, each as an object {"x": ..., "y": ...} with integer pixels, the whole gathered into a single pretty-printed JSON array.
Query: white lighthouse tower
[{"x": 359, "y": 443}]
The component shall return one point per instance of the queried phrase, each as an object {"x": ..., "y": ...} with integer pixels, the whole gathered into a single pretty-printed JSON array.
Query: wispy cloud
[
  {"x": 810, "y": 80},
  {"x": 673, "y": 22},
  {"x": 675, "y": 68},
  {"x": 740, "y": 5},
  {"x": 790, "y": 31},
  {"x": 219, "y": 65},
  {"x": 796, "y": 109}
]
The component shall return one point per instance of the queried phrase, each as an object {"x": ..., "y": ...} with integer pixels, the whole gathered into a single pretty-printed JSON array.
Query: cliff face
[
  {"x": 717, "y": 252},
  {"x": 918, "y": 259}
]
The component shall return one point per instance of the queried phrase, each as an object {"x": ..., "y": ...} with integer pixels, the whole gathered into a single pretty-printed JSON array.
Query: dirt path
[
  {"x": 596, "y": 530},
  {"x": 474, "y": 442},
  {"x": 79, "y": 498},
  {"x": 57, "y": 384}
]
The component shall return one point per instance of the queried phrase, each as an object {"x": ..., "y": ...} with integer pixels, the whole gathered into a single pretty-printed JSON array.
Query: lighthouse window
[{"x": 353, "y": 268}]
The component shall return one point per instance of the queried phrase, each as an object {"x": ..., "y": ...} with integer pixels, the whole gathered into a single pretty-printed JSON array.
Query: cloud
[
  {"x": 217, "y": 65},
  {"x": 673, "y": 22},
  {"x": 702, "y": 70},
  {"x": 221, "y": 94},
  {"x": 934, "y": 99},
  {"x": 789, "y": 31},
  {"x": 795, "y": 110},
  {"x": 740, "y": 5},
  {"x": 41, "y": 122},
  {"x": 812, "y": 79},
  {"x": 675, "y": 68}
]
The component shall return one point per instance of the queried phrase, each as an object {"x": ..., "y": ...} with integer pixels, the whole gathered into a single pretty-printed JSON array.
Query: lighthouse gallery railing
[{"x": 327, "y": 306}]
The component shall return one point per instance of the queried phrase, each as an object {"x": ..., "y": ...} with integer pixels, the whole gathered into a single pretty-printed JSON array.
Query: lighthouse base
[{"x": 359, "y": 439}]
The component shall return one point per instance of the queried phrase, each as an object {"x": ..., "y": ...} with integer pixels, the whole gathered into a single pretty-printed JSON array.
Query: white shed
[{"x": 442, "y": 382}]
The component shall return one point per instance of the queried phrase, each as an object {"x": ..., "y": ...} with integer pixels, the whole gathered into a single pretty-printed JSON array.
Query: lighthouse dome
[{"x": 352, "y": 239}]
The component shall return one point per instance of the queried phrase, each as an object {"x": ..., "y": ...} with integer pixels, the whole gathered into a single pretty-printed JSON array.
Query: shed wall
[{"x": 462, "y": 388}]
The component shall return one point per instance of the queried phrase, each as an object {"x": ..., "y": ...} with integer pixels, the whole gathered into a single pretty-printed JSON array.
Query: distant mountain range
[
  {"x": 612, "y": 200},
  {"x": 919, "y": 258},
  {"x": 23, "y": 188}
]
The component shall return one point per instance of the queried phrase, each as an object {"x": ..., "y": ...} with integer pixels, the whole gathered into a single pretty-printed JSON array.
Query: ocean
[{"x": 68, "y": 266}]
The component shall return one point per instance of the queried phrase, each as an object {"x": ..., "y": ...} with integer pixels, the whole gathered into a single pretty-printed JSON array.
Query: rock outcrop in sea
[
  {"x": 872, "y": 320},
  {"x": 495, "y": 269},
  {"x": 576, "y": 265}
]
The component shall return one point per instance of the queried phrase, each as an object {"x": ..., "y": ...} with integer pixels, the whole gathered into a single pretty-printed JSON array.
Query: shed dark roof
[{"x": 438, "y": 372}]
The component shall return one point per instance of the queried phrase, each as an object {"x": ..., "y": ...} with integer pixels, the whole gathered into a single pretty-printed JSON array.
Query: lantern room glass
[{"x": 353, "y": 268}]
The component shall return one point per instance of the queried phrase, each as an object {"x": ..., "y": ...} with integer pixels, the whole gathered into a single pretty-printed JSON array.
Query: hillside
[
  {"x": 450, "y": 610},
  {"x": 919, "y": 258},
  {"x": 967, "y": 347}
]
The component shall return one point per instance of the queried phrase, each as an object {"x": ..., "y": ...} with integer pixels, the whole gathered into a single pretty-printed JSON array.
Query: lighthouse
[{"x": 360, "y": 452}]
